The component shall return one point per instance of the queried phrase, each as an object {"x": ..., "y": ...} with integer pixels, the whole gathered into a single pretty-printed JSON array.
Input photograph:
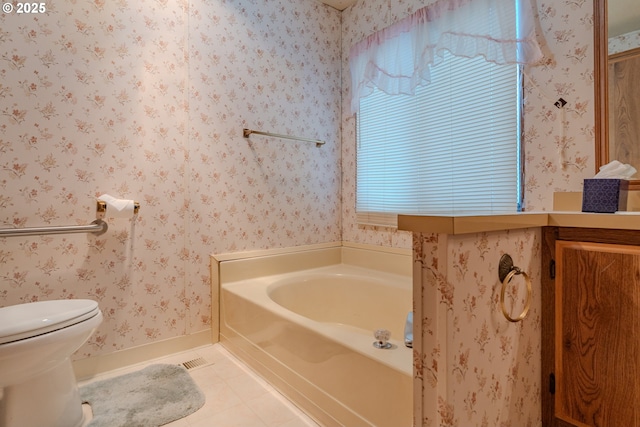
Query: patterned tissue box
[{"x": 604, "y": 195}]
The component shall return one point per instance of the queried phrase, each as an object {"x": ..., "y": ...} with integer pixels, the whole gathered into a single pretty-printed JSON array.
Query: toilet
[{"x": 37, "y": 383}]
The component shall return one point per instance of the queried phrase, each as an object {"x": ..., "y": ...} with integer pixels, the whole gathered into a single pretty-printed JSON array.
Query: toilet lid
[{"x": 36, "y": 318}]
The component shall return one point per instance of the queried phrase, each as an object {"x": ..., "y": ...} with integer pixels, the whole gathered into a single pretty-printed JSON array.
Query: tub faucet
[{"x": 408, "y": 330}]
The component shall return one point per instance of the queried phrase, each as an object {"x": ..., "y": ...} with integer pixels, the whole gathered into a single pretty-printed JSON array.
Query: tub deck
[{"x": 310, "y": 334}]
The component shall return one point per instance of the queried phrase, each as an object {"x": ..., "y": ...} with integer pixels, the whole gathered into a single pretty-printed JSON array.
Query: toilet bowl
[{"x": 37, "y": 384}]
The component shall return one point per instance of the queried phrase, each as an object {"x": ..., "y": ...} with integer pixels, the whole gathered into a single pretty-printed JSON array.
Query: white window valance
[{"x": 398, "y": 58}]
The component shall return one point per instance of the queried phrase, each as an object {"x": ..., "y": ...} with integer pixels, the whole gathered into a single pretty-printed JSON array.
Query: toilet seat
[{"x": 18, "y": 322}]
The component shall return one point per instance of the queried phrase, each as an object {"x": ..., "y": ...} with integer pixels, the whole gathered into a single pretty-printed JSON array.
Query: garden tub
[{"x": 310, "y": 334}]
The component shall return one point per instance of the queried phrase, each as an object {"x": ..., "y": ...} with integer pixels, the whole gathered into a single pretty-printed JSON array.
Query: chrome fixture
[
  {"x": 247, "y": 132},
  {"x": 382, "y": 339},
  {"x": 101, "y": 209},
  {"x": 97, "y": 227},
  {"x": 408, "y": 330},
  {"x": 506, "y": 272}
]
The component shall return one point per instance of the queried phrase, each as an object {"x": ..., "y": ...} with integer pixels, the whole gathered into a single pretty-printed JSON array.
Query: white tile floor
[{"x": 235, "y": 395}]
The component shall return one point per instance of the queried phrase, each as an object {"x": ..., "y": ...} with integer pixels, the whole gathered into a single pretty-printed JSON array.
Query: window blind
[{"x": 452, "y": 148}]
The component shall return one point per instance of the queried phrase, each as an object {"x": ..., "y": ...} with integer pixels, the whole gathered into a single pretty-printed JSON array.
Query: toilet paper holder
[{"x": 101, "y": 209}]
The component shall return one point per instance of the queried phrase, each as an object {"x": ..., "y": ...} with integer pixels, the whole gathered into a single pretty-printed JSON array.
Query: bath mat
[{"x": 151, "y": 397}]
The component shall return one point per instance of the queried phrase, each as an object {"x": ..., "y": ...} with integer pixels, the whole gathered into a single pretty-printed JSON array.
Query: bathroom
[{"x": 147, "y": 100}]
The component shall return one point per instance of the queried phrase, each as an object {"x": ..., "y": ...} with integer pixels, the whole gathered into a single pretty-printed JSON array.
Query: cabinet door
[{"x": 596, "y": 334}]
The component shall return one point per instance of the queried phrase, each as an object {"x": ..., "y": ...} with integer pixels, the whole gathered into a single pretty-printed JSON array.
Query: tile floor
[{"x": 235, "y": 395}]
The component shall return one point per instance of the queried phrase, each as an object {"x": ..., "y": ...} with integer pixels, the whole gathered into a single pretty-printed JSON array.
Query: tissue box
[{"x": 604, "y": 195}]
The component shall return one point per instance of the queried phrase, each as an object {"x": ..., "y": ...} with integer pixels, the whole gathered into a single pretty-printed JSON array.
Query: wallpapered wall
[
  {"x": 558, "y": 144},
  {"x": 473, "y": 367},
  {"x": 624, "y": 42},
  {"x": 147, "y": 100}
]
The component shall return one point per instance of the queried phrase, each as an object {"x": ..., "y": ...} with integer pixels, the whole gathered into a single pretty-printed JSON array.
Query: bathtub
[{"x": 310, "y": 334}]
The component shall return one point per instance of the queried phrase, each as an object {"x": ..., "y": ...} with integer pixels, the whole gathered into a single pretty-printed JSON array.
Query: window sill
[{"x": 465, "y": 224}]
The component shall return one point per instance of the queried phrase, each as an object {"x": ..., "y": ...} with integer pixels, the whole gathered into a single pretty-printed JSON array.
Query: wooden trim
[
  {"x": 547, "y": 330},
  {"x": 601, "y": 85},
  {"x": 598, "y": 235},
  {"x": 600, "y": 79},
  {"x": 621, "y": 56},
  {"x": 559, "y": 409}
]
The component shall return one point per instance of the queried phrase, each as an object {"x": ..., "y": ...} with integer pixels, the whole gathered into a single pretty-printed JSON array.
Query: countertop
[{"x": 463, "y": 224}]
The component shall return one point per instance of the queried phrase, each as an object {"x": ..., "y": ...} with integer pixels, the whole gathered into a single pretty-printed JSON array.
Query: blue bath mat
[{"x": 151, "y": 397}]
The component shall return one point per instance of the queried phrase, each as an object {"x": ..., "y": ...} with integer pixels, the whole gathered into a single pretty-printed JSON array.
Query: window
[
  {"x": 438, "y": 100},
  {"x": 453, "y": 147}
]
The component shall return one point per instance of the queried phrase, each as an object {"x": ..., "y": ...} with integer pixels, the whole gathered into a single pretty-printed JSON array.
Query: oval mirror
[{"x": 616, "y": 77}]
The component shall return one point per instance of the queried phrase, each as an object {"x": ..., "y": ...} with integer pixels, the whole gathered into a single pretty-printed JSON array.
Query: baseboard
[
  {"x": 304, "y": 395},
  {"x": 92, "y": 366}
]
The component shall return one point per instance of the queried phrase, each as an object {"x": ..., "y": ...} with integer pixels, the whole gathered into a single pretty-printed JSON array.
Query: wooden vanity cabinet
[{"x": 590, "y": 327}]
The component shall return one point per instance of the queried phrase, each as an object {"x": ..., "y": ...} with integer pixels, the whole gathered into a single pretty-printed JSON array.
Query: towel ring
[{"x": 513, "y": 271}]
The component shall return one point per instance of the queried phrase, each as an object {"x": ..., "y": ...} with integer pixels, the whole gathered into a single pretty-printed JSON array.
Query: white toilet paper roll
[{"x": 118, "y": 208}]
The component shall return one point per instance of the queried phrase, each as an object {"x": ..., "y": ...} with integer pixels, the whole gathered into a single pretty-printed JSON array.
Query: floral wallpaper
[
  {"x": 624, "y": 42},
  {"x": 559, "y": 143},
  {"x": 473, "y": 367},
  {"x": 147, "y": 100}
]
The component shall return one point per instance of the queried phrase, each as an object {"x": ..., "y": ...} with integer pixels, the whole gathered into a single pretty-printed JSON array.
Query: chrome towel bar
[
  {"x": 247, "y": 132},
  {"x": 97, "y": 227}
]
